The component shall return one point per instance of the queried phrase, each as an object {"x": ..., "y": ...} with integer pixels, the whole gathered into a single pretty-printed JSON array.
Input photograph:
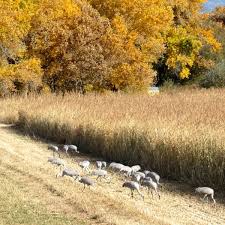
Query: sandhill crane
[
  {"x": 206, "y": 191},
  {"x": 54, "y": 149},
  {"x": 56, "y": 161},
  {"x": 101, "y": 164},
  {"x": 135, "y": 168},
  {"x": 68, "y": 172},
  {"x": 127, "y": 170},
  {"x": 86, "y": 181},
  {"x": 99, "y": 173},
  {"x": 73, "y": 148},
  {"x": 155, "y": 177},
  {"x": 150, "y": 184},
  {"x": 142, "y": 175},
  {"x": 116, "y": 166},
  {"x": 85, "y": 165},
  {"x": 104, "y": 164},
  {"x": 132, "y": 185},
  {"x": 136, "y": 178},
  {"x": 146, "y": 172},
  {"x": 64, "y": 148}
]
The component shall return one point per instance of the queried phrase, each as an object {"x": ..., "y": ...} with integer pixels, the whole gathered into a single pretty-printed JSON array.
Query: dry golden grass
[
  {"x": 179, "y": 134},
  {"x": 31, "y": 195}
]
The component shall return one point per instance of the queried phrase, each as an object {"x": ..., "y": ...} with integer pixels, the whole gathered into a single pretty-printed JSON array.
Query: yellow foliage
[
  {"x": 24, "y": 72},
  {"x": 150, "y": 20},
  {"x": 98, "y": 44}
]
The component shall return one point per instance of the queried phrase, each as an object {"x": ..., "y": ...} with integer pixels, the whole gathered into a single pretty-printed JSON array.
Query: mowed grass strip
[
  {"x": 17, "y": 208},
  {"x": 179, "y": 134}
]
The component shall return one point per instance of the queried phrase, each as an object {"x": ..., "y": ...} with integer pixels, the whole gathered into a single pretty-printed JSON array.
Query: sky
[{"x": 211, "y": 4}]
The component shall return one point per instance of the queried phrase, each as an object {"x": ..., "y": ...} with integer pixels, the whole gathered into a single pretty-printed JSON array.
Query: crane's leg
[
  {"x": 204, "y": 197},
  {"x": 140, "y": 194},
  {"x": 58, "y": 175},
  {"x": 157, "y": 193},
  {"x": 132, "y": 194},
  {"x": 152, "y": 193},
  {"x": 213, "y": 199}
]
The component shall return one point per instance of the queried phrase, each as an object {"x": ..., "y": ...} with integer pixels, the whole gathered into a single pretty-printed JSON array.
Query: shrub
[{"x": 214, "y": 77}]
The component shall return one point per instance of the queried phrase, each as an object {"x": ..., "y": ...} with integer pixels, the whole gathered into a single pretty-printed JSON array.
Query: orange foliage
[{"x": 99, "y": 44}]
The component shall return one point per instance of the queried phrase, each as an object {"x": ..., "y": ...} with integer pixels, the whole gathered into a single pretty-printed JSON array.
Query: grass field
[
  {"x": 30, "y": 194},
  {"x": 179, "y": 134}
]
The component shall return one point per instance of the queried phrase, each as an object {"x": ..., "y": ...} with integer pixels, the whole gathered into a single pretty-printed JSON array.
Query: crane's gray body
[
  {"x": 84, "y": 165},
  {"x": 100, "y": 173},
  {"x": 68, "y": 172},
  {"x": 86, "y": 181},
  {"x": 54, "y": 149},
  {"x": 155, "y": 177},
  {"x": 142, "y": 175},
  {"x": 56, "y": 161},
  {"x": 150, "y": 184},
  {"x": 135, "y": 168},
  {"x": 126, "y": 169},
  {"x": 116, "y": 166},
  {"x": 73, "y": 148},
  {"x": 206, "y": 191},
  {"x": 132, "y": 185}
]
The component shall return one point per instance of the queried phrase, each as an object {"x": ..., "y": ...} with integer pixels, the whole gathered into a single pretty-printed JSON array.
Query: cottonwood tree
[
  {"x": 80, "y": 50},
  {"x": 17, "y": 71}
]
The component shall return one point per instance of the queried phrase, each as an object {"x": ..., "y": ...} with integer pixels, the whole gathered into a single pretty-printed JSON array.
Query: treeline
[{"x": 97, "y": 45}]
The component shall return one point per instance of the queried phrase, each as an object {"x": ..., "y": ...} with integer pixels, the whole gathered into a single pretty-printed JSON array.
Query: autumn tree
[
  {"x": 79, "y": 45},
  {"x": 80, "y": 50},
  {"x": 167, "y": 30},
  {"x": 17, "y": 71},
  {"x": 185, "y": 41},
  {"x": 149, "y": 20}
]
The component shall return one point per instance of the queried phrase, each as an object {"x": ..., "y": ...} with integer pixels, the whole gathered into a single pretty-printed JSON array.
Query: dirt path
[{"x": 26, "y": 175}]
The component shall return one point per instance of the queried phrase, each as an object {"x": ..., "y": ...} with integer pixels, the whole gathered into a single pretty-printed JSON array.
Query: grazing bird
[
  {"x": 150, "y": 184},
  {"x": 132, "y": 185},
  {"x": 65, "y": 148},
  {"x": 116, "y": 166},
  {"x": 135, "y": 168},
  {"x": 85, "y": 165},
  {"x": 101, "y": 164},
  {"x": 136, "y": 178},
  {"x": 146, "y": 172},
  {"x": 73, "y": 148},
  {"x": 99, "y": 173},
  {"x": 68, "y": 172},
  {"x": 142, "y": 175},
  {"x": 56, "y": 161},
  {"x": 86, "y": 181},
  {"x": 54, "y": 149},
  {"x": 104, "y": 164},
  {"x": 155, "y": 177},
  {"x": 206, "y": 191},
  {"x": 127, "y": 170}
]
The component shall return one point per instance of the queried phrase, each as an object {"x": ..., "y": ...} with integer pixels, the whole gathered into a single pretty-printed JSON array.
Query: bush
[{"x": 214, "y": 77}]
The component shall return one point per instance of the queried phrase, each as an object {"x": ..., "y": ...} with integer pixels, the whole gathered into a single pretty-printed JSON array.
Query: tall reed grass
[{"x": 179, "y": 134}]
